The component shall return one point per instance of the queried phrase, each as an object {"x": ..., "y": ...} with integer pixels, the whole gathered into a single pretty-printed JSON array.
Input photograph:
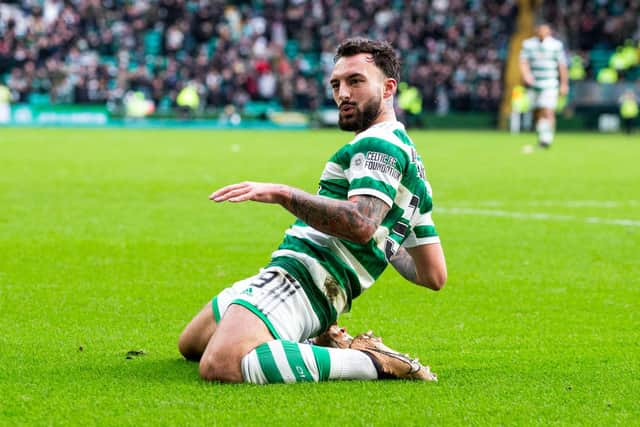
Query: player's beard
[{"x": 361, "y": 119}]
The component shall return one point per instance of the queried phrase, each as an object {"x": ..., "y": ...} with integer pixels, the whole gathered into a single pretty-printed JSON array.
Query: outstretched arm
[
  {"x": 355, "y": 219},
  {"x": 423, "y": 265}
]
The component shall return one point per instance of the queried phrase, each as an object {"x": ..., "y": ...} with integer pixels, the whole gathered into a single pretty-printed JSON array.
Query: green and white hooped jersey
[
  {"x": 381, "y": 162},
  {"x": 543, "y": 57}
]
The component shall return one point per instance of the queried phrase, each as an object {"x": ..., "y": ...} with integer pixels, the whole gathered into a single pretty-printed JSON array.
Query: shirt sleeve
[
  {"x": 375, "y": 168},
  {"x": 422, "y": 233}
]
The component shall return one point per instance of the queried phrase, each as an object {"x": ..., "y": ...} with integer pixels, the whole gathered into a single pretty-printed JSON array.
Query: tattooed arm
[
  {"x": 355, "y": 219},
  {"x": 404, "y": 264},
  {"x": 423, "y": 265}
]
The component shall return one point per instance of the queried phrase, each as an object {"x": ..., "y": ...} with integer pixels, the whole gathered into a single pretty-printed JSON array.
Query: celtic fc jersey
[
  {"x": 543, "y": 57},
  {"x": 381, "y": 162}
]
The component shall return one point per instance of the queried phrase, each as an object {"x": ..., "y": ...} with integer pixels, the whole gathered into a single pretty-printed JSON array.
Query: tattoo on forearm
[
  {"x": 405, "y": 265},
  {"x": 338, "y": 218}
]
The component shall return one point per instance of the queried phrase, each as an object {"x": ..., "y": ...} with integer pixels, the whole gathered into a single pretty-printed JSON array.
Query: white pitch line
[
  {"x": 587, "y": 203},
  {"x": 602, "y": 204},
  {"x": 627, "y": 222},
  {"x": 537, "y": 216}
]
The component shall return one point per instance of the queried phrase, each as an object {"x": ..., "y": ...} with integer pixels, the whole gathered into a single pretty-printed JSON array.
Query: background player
[{"x": 544, "y": 70}]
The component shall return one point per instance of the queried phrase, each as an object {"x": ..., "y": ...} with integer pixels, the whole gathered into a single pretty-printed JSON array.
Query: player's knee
[
  {"x": 208, "y": 369},
  {"x": 216, "y": 368},
  {"x": 188, "y": 347},
  {"x": 438, "y": 280}
]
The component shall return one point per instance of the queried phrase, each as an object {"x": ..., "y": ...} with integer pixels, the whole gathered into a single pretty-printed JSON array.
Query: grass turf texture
[{"x": 109, "y": 244}]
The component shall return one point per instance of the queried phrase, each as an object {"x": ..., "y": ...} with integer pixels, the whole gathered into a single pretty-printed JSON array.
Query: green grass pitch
[{"x": 109, "y": 244}]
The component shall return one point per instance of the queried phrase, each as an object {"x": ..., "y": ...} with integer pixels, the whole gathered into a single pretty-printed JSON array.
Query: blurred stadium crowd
[
  {"x": 584, "y": 25},
  {"x": 275, "y": 51}
]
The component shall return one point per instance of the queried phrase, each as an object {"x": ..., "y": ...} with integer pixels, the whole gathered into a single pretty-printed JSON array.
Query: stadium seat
[
  {"x": 109, "y": 60},
  {"x": 412, "y": 58},
  {"x": 165, "y": 104},
  {"x": 39, "y": 99},
  {"x": 291, "y": 48},
  {"x": 211, "y": 46},
  {"x": 633, "y": 74},
  {"x": 260, "y": 108},
  {"x": 313, "y": 58},
  {"x": 599, "y": 59},
  {"x": 152, "y": 42}
]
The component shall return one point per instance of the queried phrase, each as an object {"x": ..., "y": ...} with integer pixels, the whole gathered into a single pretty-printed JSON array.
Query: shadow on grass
[
  {"x": 146, "y": 369},
  {"x": 176, "y": 370},
  {"x": 149, "y": 369}
]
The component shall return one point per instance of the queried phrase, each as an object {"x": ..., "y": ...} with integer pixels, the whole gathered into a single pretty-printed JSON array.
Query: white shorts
[
  {"x": 278, "y": 299},
  {"x": 546, "y": 98}
]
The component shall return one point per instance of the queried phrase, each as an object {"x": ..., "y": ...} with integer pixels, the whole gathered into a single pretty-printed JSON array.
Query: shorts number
[{"x": 264, "y": 279}]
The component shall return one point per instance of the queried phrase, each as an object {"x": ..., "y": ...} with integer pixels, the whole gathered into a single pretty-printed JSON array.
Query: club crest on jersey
[
  {"x": 357, "y": 162},
  {"x": 377, "y": 161}
]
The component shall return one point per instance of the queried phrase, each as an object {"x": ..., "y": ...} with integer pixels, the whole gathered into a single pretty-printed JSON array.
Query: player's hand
[
  {"x": 564, "y": 89},
  {"x": 528, "y": 80},
  {"x": 255, "y": 191}
]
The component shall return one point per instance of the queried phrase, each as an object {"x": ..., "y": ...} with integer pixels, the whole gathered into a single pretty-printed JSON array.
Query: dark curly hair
[{"x": 382, "y": 52}]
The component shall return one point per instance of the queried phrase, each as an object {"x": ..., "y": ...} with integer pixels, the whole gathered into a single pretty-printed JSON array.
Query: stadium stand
[
  {"x": 256, "y": 55},
  {"x": 595, "y": 30},
  {"x": 267, "y": 55}
]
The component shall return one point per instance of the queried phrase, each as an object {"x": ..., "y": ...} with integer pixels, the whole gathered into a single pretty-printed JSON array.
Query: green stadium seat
[
  {"x": 291, "y": 48},
  {"x": 109, "y": 60},
  {"x": 313, "y": 58},
  {"x": 39, "y": 99},
  {"x": 164, "y": 104},
  {"x": 411, "y": 59},
  {"x": 259, "y": 108},
  {"x": 211, "y": 46},
  {"x": 152, "y": 42},
  {"x": 599, "y": 59},
  {"x": 275, "y": 105},
  {"x": 633, "y": 74},
  {"x": 181, "y": 55}
]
